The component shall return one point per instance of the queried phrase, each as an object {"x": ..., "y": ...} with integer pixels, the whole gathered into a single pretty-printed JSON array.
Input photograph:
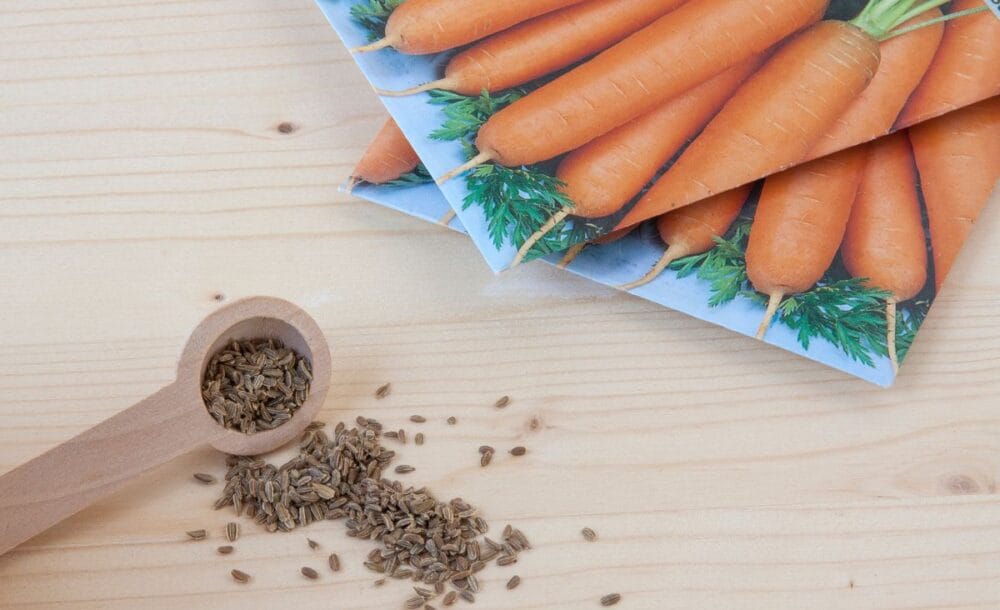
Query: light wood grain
[{"x": 142, "y": 175}]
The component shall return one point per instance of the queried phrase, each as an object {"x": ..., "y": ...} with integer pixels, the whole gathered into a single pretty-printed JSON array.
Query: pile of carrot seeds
[{"x": 440, "y": 546}]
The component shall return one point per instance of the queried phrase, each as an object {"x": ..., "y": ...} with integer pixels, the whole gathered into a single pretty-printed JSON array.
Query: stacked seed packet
[{"x": 713, "y": 156}]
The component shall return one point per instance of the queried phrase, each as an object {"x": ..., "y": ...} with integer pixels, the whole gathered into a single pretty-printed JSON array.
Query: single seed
[
  {"x": 224, "y": 550},
  {"x": 513, "y": 582},
  {"x": 418, "y": 419},
  {"x": 334, "y": 562},
  {"x": 450, "y": 598},
  {"x": 240, "y": 576},
  {"x": 429, "y": 607},
  {"x": 486, "y": 449},
  {"x": 507, "y": 560},
  {"x": 419, "y": 438},
  {"x": 468, "y": 596},
  {"x": 518, "y": 451},
  {"x": 383, "y": 391},
  {"x": 312, "y": 543},
  {"x": 452, "y": 421},
  {"x": 402, "y": 436},
  {"x": 404, "y": 469},
  {"x": 485, "y": 460},
  {"x": 502, "y": 402},
  {"x": 232, "y": 531},
  {"x": 197, "y": 534},
  {"x": 414, "y": 602},
  {"x": 611, "y": 599},
  {"x": 309, "y": 573},
  {"x": 589, "y": 534},
  {"x": 207, "y": 479}
]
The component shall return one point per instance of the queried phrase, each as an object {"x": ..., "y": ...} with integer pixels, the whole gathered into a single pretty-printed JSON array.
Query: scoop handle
[{"x": 98, "y": 462}]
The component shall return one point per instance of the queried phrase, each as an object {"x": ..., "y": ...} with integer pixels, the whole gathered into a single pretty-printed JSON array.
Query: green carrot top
[{"x": 882, "y": 18}]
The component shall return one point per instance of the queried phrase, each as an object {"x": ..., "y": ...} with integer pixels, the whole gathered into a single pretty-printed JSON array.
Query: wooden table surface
[{"x": 143, "y": 179}]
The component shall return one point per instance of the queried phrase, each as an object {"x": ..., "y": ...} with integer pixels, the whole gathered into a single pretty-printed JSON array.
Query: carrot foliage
[
  {"x": 515, "y": 201},
  {"x": 372, "y": 15},
  {"x": 840, "y": 310},
  {"x": 419, "y": 175}
]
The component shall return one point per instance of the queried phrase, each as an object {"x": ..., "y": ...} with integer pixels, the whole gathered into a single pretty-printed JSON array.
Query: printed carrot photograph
[
  {"x": 549, "y": 124},
  {"x": 838, "y": 259}
]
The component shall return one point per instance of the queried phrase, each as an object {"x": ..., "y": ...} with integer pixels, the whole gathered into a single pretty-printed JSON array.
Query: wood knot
[
  {"x": 535, "y": 423},
  {"x": 961, "y": 485},
  {"x": 286, "y": 127},
  {"x": 218, "y": 297}
]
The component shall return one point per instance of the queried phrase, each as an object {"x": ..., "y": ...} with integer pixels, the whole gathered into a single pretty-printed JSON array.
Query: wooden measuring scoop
[{"x": 169, "y": 423}]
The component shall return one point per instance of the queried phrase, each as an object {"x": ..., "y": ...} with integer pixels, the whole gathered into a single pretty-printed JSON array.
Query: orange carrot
[
  {"x": 904, "y": 62},
  {"x": 543, "y": 45},
  {"x": 799, "y": 225},
  {"x": 388, "y": 157},
  {"x": 698, "y": 40},
  {"x": 420, "y": 27},
  {"x": 965, "y": 68},
  {"x": 958, "y": 157},
  {"x": 606, "y": 173},
  {"x": 885, "y": 241},
  {"x": 773, "y": 121},
  {"x": 693, "y": 229}
]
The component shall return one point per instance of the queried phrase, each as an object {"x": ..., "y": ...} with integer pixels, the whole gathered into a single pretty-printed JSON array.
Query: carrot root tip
[
  {"x": 671, "y": 254},
  {"x": 437, "y": 84},
  {"x": 538, "y": 235},
  {"x": 378, "y": 45},
  {"x": 480, "y": 159},
  {"x": 772, "y": 308},
  {"x": 447, "y": 218},
  {"x": 571, "y": 255}
]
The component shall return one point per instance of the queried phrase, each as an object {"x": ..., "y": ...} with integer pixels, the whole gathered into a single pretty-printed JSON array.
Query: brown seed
[
  {"x": 507, "y": 560},
  {"x": 429, "y": 607},
  {"x": 419, "y": 438},
  {"x": 486, "y": 449},
  {"x": 513, "y": 582},
  {"x": 611, "y": 599},
  {"x": 334, "y": 562},
  {"x": 502, "y": 402},
  {"x": 452, "y": 421},
  {"x": 404, "y": 469},
  {"x": 309, "y": 573},
  {"x": 468, "y": 596},
  {"x": 402, "y": 436},
  {"x": 589, "y": 534},
  {"x": 486, "y": 458},
  {"x": 224, "y": 550},
  {"x": 240, "y": 576},
  {"x": 383, "y": 391},
  {"x": 414, "y": 602},
  {"x": 201, "y": 477},
  {"x": 197, "y": 534},
  {"x": 232, "y": 531},
  {"x": 418, "y": 419},
  {"x": 518, "y": 451},
  {"x": 379, "y": 582},
  {"x": 450, "y": 598}
]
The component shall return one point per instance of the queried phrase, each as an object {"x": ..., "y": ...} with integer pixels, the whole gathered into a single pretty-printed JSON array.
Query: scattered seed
[
  {"x": 468, "y": 596},
  {"x": 401, "y": 435},
  {"x": 224, "y": 550},
  {"x": 197, "y": 534},
  {"x": 450, "y": 598},
  {"x": 418, "y": 419},
  {"x": 240, "y": 576},
  {"x": 502, "y": 402},
  {"x": 383, "y": 391},
  {"x": 309, "y": 573},
  {"x": 334, "y": 562},
  {"x": 379, "y": 582},
  {"x": 486, "y": 458},
  {"x": 232, "y": 531},
  {"x": 486, "y": 449},
  {"x": 429, "y": 607},
  {"x": 201, "y": 477},
  {"x": 404, "y": 469},
  {"x": 611, "y": 599},
  {"x": 513, "y": 582},
  {"x": 419, "y": 438},
  {"x": 414, "y": 602},
  {"x": 518, "y": 451},
  {"x": 589, "y": 534},
  {"x": 391, "y": 434},
  {"x": 452, "y": 421}
]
